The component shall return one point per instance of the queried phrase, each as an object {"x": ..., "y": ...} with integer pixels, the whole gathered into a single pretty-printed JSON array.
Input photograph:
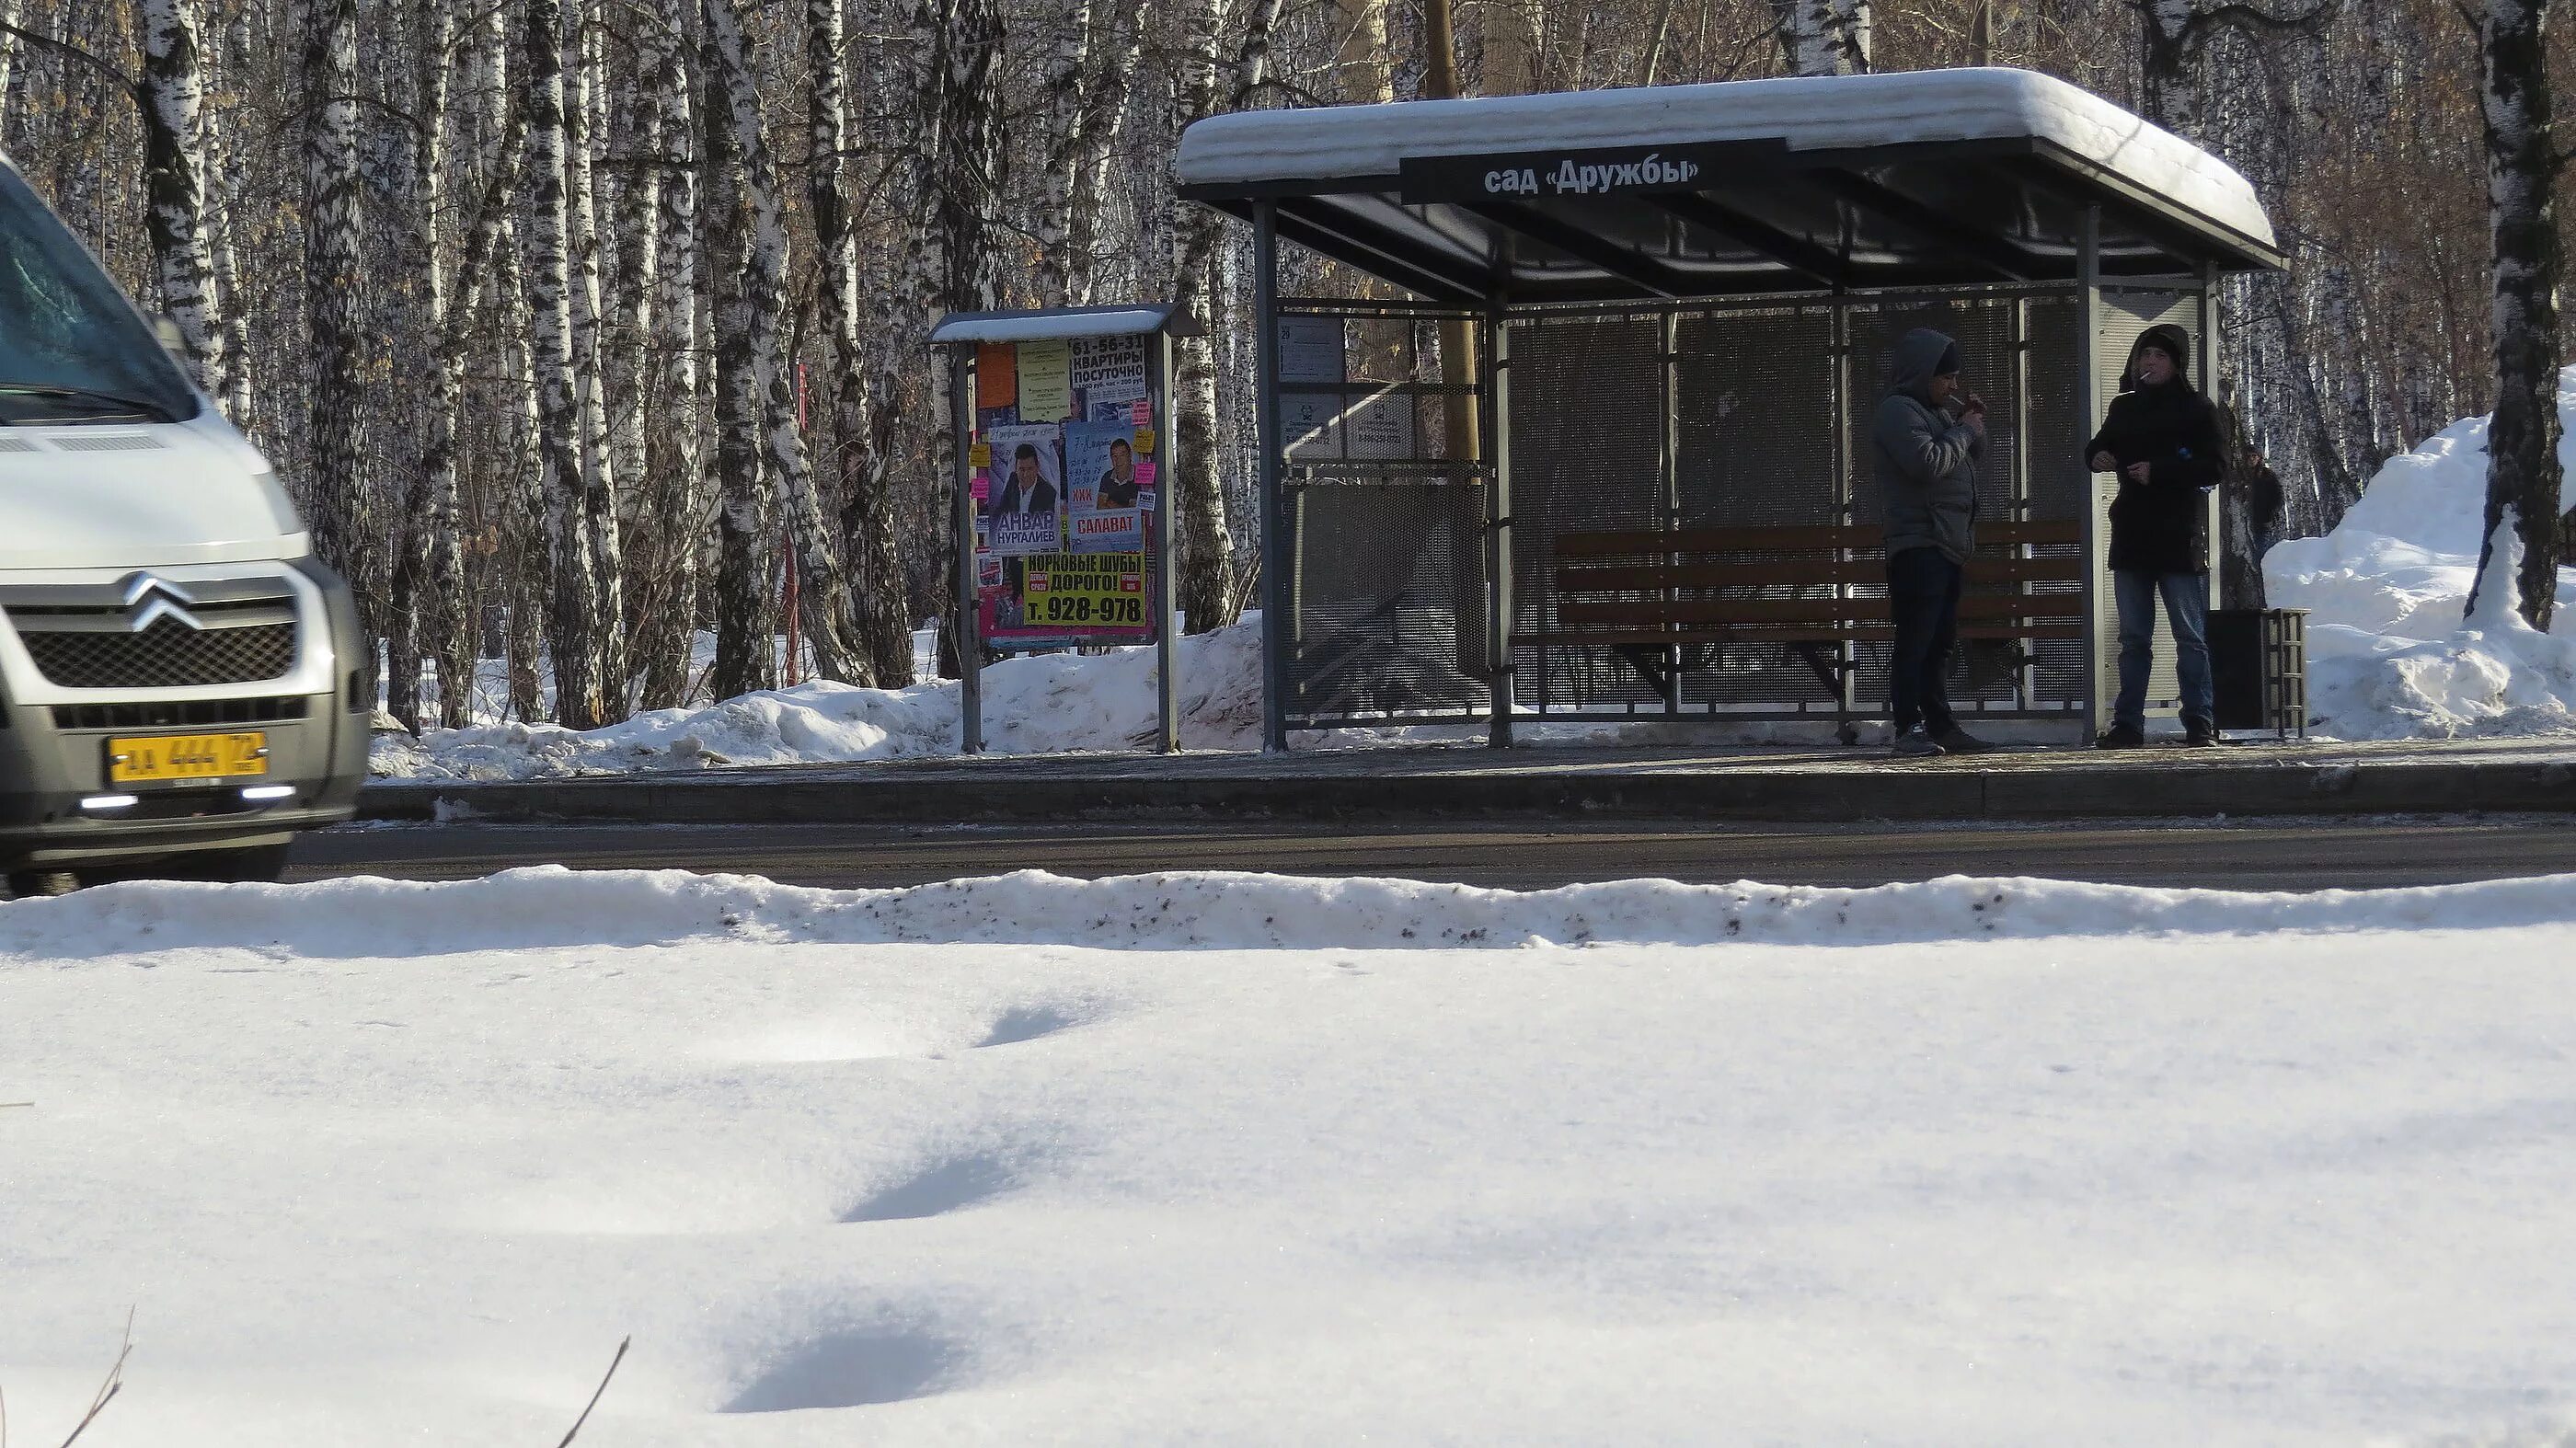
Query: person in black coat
[{"x": 2162, "y": 438}]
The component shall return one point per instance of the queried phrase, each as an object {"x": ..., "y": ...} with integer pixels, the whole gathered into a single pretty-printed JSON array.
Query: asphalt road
[{"x": 2258, "y": 855}]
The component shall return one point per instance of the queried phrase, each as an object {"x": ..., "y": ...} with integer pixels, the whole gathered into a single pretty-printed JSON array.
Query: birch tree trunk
[
  {"x": 224, "y": 219},
  {"x": 743, "y": 659},
  {"x": 1826, "y": 37},
  {"x": 672, "y": 457},
  {"x": 1361, "y": 70},
  {"x": 334, "y": 239},
  {"x": 2169, "y": 63},
  {"x": 1068, "y": 71},
  {"x": 583, "y": 113},
  {"x": 440, "y": 556},
  {"x": 8, "y": 59},
  {"x": 175, "y": 176},
  {"x": 573, "y": 639},
  {"x": 879, "y": 616},
  {"x": 416, "y": 611},
  {"x": 823, "y": 591},
  {"x": 1206, "y": 586},
  {"x": 530, "y": 499},
  {"x": 955, "y": 161},
  {"x": 2522, "y": 440}
]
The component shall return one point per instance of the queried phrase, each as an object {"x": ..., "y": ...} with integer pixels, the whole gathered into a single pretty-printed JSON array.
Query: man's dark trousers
[{"x": 1923, "y": 596}]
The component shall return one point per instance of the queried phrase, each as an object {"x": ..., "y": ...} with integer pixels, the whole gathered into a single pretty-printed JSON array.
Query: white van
[{"x": 181, "y": 682}]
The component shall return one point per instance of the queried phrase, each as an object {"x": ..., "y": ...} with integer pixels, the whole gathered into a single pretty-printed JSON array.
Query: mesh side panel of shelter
[
  {"x": 1755, "y": 414},
  {"x": 1381, "y": 617},
  {"x": 2060, "y": 488},
  {"x": 1983, "y": 673},
  {"x": 1587, "y": 430}
]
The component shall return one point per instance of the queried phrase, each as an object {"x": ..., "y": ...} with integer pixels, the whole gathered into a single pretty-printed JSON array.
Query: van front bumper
[{"x": 52, "y": 759}]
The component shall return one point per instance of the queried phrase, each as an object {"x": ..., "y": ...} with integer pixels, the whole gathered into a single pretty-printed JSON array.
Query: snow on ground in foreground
[
  {"x": 1990, "y": 1162},
  {"x": 2387, "y": 656}
]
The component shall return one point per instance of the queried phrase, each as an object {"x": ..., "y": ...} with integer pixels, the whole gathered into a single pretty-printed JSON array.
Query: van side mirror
[{"x": 165, "y": 328}]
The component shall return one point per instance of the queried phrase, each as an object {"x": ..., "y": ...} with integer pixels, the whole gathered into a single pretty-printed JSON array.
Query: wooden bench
[{"x": 1669, "y": 601}]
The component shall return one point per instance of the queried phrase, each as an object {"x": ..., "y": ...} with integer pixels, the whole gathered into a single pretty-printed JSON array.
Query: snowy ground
[
  {"x": 1250, "y": 1160},
  {"x": 2385, "y": 593}
]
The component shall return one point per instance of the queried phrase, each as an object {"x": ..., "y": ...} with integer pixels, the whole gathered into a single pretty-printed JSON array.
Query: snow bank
[
  {"x": 1033, "y": 704},
  {"x": 2388, "y": 657},
  {"x": 549, "y": 905}
]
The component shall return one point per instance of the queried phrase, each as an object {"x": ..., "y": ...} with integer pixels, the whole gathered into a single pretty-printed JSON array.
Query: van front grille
[
  {"x": 167, "y": 655},
  {"x": 193, "y": 714}
]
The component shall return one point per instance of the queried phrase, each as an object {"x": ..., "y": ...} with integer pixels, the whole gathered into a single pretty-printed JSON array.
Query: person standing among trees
[
  {"x": 1927, "y": 437},
  {"x": 2162, "y": 438}
]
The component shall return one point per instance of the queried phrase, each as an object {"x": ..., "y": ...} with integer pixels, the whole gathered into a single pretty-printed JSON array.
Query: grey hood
[{"x": 1917, "y": 362}]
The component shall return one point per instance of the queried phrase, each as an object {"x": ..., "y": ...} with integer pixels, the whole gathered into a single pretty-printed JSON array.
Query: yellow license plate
[{"x": 186, "y": 756}]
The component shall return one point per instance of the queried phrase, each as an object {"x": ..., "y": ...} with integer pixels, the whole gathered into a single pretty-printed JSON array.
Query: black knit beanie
[
  {"x": 1949, "y": 361},
  {"x": 2171, "y": 340}
]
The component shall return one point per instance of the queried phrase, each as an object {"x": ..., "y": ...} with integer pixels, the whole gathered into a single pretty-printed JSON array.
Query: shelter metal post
[
  {"x": 1278, "y": 552},
  {"x": 1167, "y": 738},
  {"x": 1497, "y": 442},
  {"x": 967, "y": 629},
  {"x": 1838, "y": 398},
  {"x": 2097, "y": 523},
  {"x": 2207, "y": 364},
  {"x": 1668, "y": 452},
  {"x": 2026, "y": 677}
]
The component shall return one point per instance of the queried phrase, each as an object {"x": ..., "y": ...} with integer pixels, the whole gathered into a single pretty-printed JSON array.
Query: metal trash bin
[{"x": 2258, "y": 664}]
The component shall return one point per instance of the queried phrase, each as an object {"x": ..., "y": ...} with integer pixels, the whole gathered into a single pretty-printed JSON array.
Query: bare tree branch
[{"x": 622, "y": 1345}]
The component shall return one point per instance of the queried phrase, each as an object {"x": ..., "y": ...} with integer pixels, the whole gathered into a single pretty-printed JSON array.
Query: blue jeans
[
  {"x": 1923, "y": 588},
  {"x": 2186, "y": 598}
]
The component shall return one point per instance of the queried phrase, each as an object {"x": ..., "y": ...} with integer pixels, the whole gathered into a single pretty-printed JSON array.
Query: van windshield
[{"x": 71, "y": 350}]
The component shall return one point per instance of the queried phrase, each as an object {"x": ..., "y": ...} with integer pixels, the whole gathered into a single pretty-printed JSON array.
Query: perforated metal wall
[
  {"x": 1387, "y": 610},
  {"x": 1765, "y": 418},
  {"x": 1693, "y": 416}
]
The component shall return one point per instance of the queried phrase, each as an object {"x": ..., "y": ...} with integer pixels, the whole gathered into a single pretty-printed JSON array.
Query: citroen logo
[{"x": 150, "y": 599}]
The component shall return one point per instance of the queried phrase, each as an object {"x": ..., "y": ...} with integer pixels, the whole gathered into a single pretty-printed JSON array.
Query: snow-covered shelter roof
[
  {"x": 1931, "y": 178},
  {"x": 1060, "y": 323}
]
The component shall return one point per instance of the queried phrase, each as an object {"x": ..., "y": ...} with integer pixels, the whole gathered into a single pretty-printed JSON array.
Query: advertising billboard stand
[{"x": 1066, "y": 458}]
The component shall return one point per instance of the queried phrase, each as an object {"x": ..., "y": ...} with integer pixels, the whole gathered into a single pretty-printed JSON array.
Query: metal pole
[
  {"x": 1498, "y": 454},
  {"x": 967, "y": 628},
  {"x": 2097, "y": 519},
  {"x": 1277, "y": 550},
  {"x": 1845, "y": 513},
  {"x": 1167, "y": 739},
  {"x": 2026, "y": 677},
  {"x": 1668, "y": 452},
  {"x": 2208, "y": 364}
]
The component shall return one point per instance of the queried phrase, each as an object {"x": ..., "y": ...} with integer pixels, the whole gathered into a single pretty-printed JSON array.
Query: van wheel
[{"x": 36, "y": 884}]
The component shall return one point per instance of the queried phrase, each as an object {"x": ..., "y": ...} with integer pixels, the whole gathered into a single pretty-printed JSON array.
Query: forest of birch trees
[{"x": 571, "y": 323}]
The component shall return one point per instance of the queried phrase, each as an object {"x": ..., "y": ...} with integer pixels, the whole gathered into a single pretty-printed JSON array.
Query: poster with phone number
[{"x": 1083, "y": 594}]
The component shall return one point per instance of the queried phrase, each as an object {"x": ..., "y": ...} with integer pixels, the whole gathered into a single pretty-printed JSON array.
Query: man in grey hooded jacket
[{"x": 1927, "y": 438}]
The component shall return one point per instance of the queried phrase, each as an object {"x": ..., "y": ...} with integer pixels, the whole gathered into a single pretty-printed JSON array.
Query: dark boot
[
  {"x": 1955, "y": 740},
  {"x": 2121, "y": 736},
  {"x": 2198, "y": 732}
]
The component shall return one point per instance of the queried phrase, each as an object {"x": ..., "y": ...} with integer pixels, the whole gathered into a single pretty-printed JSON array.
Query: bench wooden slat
[
  {"x": 1792, "y": 538},
  {"x": 2051, "y": 530},
  {"x": 1782, "y": 539},
  {"x": 1782, "y": 634},
  {"x": 1656, "y": 612},
  {"x": 1650, "y": 577}
]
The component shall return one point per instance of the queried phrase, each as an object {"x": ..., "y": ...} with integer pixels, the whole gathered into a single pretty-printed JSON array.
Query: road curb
[{"x": 1941, "y": 792}]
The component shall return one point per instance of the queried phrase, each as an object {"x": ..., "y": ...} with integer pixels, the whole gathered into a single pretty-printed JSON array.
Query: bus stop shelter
[{"x": 1594, "y": 443}]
